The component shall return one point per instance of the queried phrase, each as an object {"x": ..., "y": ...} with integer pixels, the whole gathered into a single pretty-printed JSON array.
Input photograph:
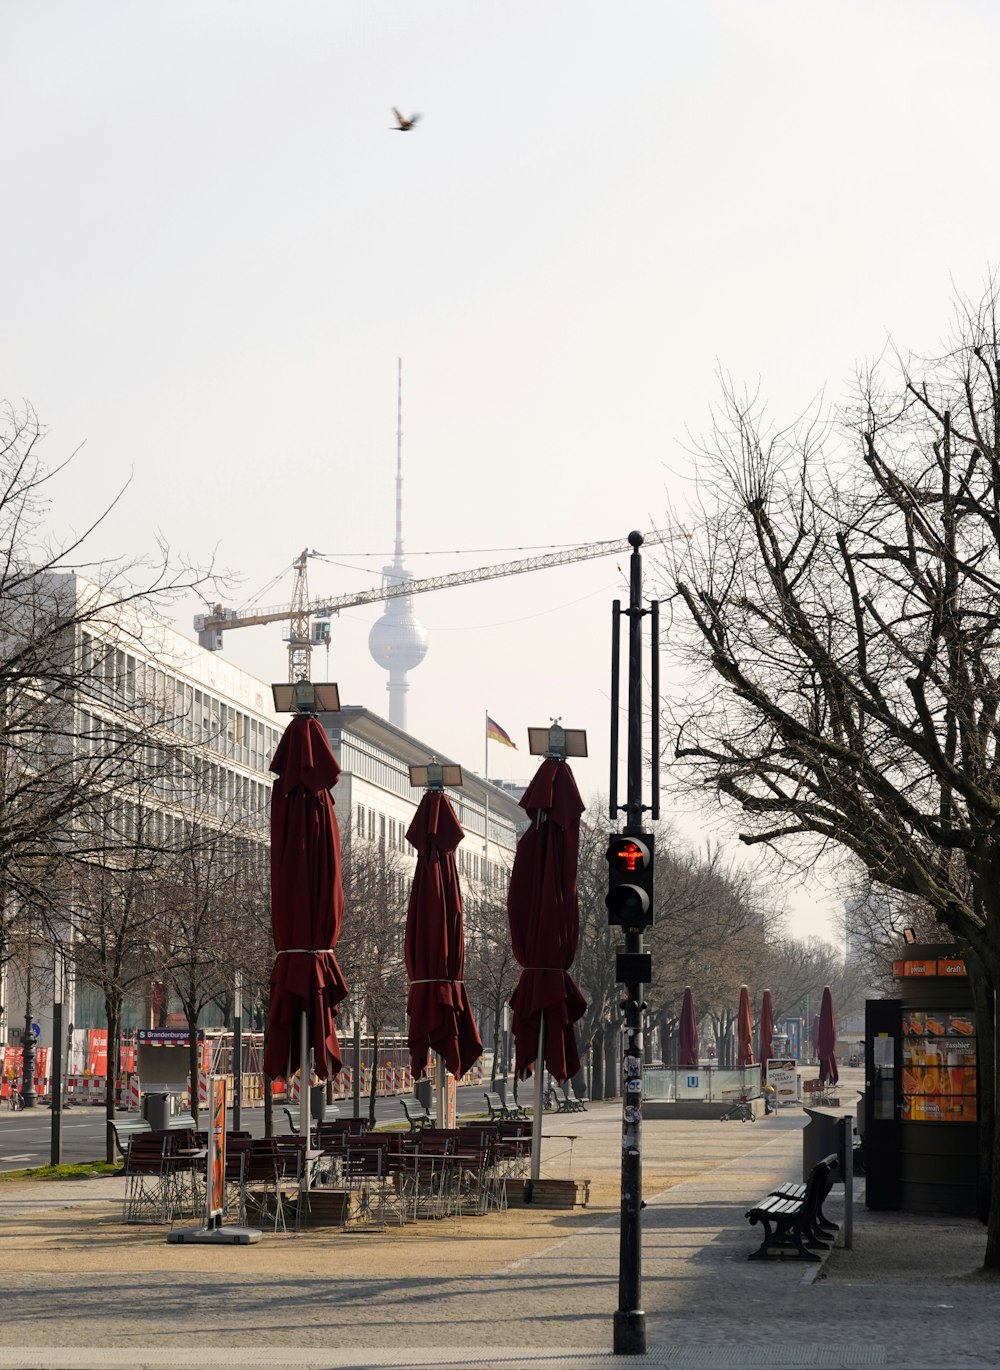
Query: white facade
[
  {"x": 376, "y": 802},
  {"x": 209, "y": 732}
]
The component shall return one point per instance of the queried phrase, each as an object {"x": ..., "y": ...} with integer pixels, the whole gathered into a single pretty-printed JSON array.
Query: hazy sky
[{"x": 213, "y": 250}]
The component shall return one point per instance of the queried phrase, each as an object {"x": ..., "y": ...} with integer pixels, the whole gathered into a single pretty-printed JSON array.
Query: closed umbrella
[
  {"x": 744, "y": 1030},
  {"x": 438, "y": 1006},
  {"x": 307, "y": 907},
  {"x": 765, "y": 1034},
  {"x": 826, "y": 1040},
  {"x": 688, "y": 1047},
  {"x": 544, "y": 916}
]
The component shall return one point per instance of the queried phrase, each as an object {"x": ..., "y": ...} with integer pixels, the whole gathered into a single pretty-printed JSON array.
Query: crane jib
[{"x": 323, "y": 608}]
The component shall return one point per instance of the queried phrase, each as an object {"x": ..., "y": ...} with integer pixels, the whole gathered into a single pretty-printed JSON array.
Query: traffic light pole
[{"x": 634, "y": 964}]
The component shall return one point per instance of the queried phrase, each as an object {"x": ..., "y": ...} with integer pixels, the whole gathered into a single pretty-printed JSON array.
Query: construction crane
[{"x": 309, "y": 623}]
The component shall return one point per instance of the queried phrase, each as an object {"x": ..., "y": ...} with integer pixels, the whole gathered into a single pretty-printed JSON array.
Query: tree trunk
[
  {"x": 268, "y": 1107},
  {"x": 194, "y": 1063},
  {"x": 374, "y": 1088},
  {"x": 112, "y": 1012},
  {"x": 597, "y": 1067},
  {"x": 669, "y": 1043},
  {"x": 982, "y": 979},
  {"x": 497, "y": 1028},
  {"x": 611, "y": 1062}
]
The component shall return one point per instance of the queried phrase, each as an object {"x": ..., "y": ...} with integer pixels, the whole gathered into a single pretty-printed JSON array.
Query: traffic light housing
[{"x": 630, "y": 880}]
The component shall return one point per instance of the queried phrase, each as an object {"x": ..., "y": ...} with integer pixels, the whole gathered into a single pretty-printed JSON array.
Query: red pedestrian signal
[{"x": 630, "y": 880}]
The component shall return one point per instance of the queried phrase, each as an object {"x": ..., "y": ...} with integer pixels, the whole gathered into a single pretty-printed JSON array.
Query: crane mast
[{"x": 302, "y": 614}]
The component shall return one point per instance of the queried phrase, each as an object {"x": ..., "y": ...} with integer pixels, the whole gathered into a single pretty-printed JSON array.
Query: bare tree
[
  {"x": 370, "y": 950},
  {"x": 206, "y": 883},
  {"x": 491, "y": 968},
  {"x": 114, "y": 916},
  {"x": 846, "y": 623},
  {"x": 73, "y": 723}
]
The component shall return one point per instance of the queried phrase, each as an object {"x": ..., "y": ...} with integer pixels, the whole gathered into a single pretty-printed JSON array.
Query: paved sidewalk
[{"x": 530, "y": 1288}]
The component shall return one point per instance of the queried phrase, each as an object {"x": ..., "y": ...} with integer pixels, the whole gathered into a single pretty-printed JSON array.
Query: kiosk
[
  {"x": 921, "y": 1088},
  {"x": 163, "y": 1062}
]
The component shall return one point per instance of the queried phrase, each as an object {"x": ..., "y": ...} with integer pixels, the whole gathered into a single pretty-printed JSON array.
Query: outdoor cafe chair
[
  {"x": 147, "y": 1186},
  {"x": 371, "y": 1190},
  {"x": 482, "y": 1177},
  {"x": 513, "y": 1147},
  {"x": 238, "y": 1149},
  {"x": 307, "y": 1159},
  {"x": 184, "y": 1172},
  {"x": 430, "y": 1174},
  {"x": 271, "y": 1172},
  {"x": 333, "y": 1128}
]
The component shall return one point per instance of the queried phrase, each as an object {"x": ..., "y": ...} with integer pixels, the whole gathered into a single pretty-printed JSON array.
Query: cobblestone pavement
[{"x": 528, "y": 1288}]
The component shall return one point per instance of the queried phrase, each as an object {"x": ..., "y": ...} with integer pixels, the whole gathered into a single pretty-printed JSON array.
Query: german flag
[{"x": 494, "y": 733}]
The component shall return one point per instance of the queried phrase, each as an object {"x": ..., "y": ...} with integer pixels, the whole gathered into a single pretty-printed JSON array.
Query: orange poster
[
  {"x": 217, "y": 1148},
  {"x": 951, "y": 966},
  {"x": 97, "y": 1051}
]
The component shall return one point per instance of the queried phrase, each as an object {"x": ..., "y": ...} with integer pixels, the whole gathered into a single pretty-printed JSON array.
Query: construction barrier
[{"x": 86, "y": 1089}]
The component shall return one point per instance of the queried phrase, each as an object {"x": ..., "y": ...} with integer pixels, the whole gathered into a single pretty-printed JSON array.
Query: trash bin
[
  {"x": 820, "y": 1138},
  {"x": 317, "y": 1103},
  {"x": 156, "y": 1110},
  {"x": 859, "y": 1128},
  {"x": 424, "y": 1091}
]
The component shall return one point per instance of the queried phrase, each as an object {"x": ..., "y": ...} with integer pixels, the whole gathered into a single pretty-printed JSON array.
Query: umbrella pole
[
  {"x": 439, "y": 1091},
  {"x": 539, "y": 1101},
  {"x": 304, "y": 1097}
]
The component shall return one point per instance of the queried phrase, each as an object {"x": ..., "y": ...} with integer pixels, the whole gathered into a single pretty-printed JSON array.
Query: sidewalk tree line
[
  {"x": 90, "y": 763},
  {"x": 717, "y": 926},
  {"x": 85, "y": 856},
  {"x": 839, "y": 610}
]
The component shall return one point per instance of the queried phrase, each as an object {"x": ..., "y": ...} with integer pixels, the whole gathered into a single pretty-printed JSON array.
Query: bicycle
[{"x": 15, "y": 1100}]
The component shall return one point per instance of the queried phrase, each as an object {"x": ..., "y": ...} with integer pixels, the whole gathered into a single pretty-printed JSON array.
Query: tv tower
[{"x": 398, "y": 641}]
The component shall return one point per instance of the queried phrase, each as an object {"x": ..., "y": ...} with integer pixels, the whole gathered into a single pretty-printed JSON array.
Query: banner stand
[{"x": 213, "y": 1233}]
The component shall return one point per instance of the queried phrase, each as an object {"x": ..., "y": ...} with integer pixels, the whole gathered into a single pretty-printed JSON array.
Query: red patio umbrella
[
  {"x": 544, "y": 916},
  {"x": 438, "y": 1005},
  {"x": 826, "y": 1040},
  {"x": 765, "y": 1034},
  {"x": 307, "y": 904},
  {"x": 744, "y": 1030},
  {"x": 687, "y": 1054}
]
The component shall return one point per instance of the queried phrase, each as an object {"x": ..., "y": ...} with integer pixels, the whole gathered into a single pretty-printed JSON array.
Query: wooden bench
[
  {"x": 501, "y": 1112},
  {"x": 568, "y": 1102},
  {"x": 792, "y": 1216},
  {"x": 124, "y": 1128},
  {"x": 416, "y": 1115},
  {"x": 330, "y": 1112}
]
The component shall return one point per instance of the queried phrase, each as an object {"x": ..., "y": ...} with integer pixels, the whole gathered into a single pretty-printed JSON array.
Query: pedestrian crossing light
[{"x": 630, "y": 880}]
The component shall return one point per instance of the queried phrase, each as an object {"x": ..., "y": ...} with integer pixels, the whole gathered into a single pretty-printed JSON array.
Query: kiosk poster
[
  {"x": 217, "y": 1148},
  {"x": 939, "y": 1066},
  {"x": 781, "y": 1073}
]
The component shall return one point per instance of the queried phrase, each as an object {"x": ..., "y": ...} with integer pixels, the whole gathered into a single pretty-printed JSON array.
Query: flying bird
[{"x": 403, "y": 125}]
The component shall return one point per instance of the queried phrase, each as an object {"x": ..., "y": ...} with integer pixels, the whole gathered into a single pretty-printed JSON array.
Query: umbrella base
[{"x": 216, "y": 1236}]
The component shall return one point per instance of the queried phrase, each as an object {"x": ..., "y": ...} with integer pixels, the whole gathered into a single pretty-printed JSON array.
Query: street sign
[{"x": 36, "y": 1031}]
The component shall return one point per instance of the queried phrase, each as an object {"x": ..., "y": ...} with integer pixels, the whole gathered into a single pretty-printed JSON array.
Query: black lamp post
[
  {"x": 237, "y": 1057},
  {"x": 28, "y": 1045},
  {"x": 58, "y": 986}
]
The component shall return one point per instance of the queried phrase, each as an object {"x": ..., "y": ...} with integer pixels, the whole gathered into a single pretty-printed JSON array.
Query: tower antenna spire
[
  {"x": 398, "y": 641},
  {"x": 398, "y": 548}
]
